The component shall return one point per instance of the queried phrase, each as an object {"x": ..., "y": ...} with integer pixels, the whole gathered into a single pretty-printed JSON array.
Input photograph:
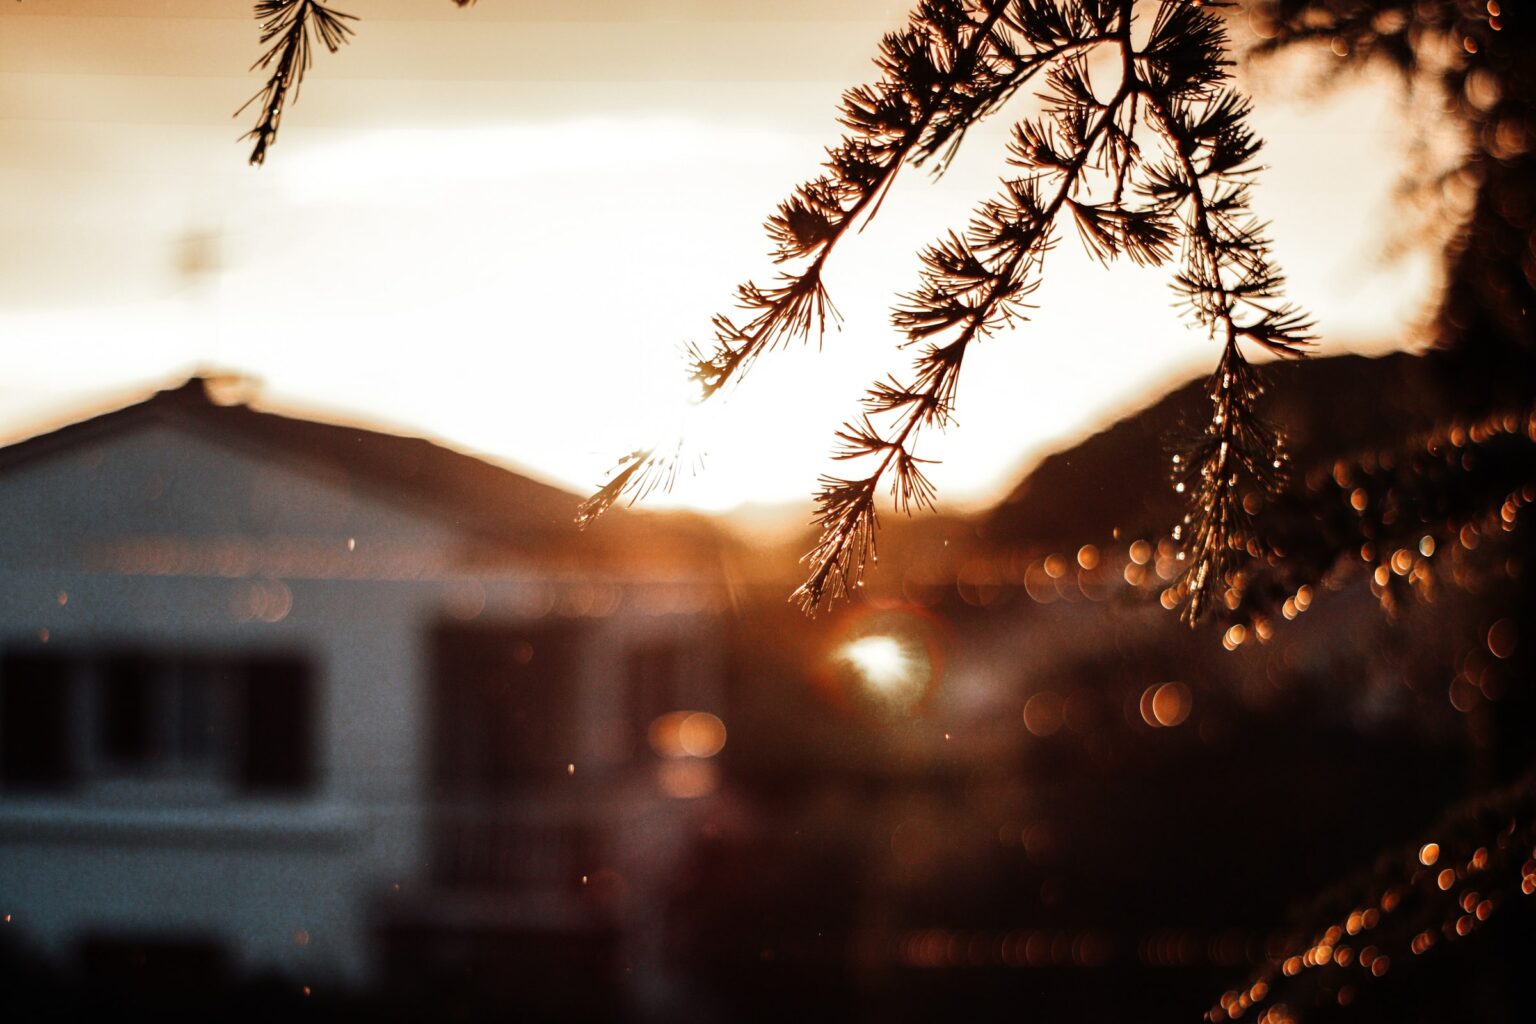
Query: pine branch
[
  {"x": 1237, "y": 446},
  {"x": 286, "y": 28},
  {"x": 972, "y": 286},
  {"x": 1226, "y": 285},
  {"x": 1438, "y": 890},
  {"x": 1429, "y": 507},
  {"x": 924, "y": 64},
  {"x": 639, "y": 472},
  {"x": 926, "y": 97},
  {"x": 955, "y": 62}
]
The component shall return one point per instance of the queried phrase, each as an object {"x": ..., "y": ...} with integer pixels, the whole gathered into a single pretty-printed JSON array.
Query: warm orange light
[
  {"x": 688, "y": 779},
  {"x": 1171, "y": 704},
  {"x": 1166, "y": 705},
  {"x": 1503, "y": 637},
  {"x": 701, "y": 734},
  {"x": 1233, "y": 638},
  {"x": 680, "y": 734},
  {"x": 1044, "y": 713}
]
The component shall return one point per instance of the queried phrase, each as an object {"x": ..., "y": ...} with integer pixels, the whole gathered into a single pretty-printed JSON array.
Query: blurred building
[
  {"x": 1009, "y": 781},
  {"x": 280, "y": 696},
  {"x": 277, "y": 696}
]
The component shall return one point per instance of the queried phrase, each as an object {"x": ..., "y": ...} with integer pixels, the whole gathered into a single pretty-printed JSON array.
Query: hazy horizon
[{"x": 498, "y": 226}]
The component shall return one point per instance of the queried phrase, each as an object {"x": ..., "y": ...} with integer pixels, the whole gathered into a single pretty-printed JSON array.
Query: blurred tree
[{"x": 1427, "y": 511}]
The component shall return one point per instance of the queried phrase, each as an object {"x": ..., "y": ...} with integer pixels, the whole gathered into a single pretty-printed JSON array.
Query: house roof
[{"x": 502, "y": 512}]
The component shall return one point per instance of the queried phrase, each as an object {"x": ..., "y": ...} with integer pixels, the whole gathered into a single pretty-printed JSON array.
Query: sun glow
[
  {"x": 887, "y": 667},
  {"x": 505, "y": 242}
]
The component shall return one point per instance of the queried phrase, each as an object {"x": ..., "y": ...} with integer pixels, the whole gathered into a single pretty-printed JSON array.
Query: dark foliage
[{"x": 1426, "y": 510}]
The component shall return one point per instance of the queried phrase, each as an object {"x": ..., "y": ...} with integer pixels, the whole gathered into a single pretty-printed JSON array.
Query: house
[{"x": 287, "y": 697}]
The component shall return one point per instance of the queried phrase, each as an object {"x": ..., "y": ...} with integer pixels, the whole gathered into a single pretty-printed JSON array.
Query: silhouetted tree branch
[
  {"x": 286, "y": 26},
  {"x": 289, "y": 29},
  {"x": 1154, "y": 160}
]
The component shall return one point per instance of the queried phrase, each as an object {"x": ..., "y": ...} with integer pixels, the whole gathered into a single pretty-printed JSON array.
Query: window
[
  {"x": 504, "y": 701},
  {"x": 147, "y": 718},
  {"x": 35, "y": 712},
  {"x": 162, "y": 717},
  {"x": 277, "y": 726}
]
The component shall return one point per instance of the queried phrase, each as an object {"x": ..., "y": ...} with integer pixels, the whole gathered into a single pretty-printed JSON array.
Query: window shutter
[
  {"x": 35, "y": 706},
  {"x": 278, "y": 752}
]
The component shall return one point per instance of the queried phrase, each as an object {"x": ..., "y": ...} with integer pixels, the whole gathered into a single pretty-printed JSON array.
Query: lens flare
[{"x": 892, "y": 668}]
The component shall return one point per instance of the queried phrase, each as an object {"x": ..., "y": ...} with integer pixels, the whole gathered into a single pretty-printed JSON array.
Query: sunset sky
[{"x": 497, "y": 226}]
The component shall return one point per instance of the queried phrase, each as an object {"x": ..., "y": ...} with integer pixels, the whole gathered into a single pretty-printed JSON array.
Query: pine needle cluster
[
  {"x": 289, "y": 30},
  {"x": 286, "y": 30},
  {"x": 1151, "y": 162}
]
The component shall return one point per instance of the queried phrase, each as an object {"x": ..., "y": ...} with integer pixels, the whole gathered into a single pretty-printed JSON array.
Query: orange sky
[{"x": 498, "y": 225}]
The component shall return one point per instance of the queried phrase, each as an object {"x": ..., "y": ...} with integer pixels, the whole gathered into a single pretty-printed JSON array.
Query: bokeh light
[
  {"x": 1045, "y": 713},
  {"x": 1166, "y": 705},
  {"x": 683, "y": 734},
  {"x": 701, "y": 734}
]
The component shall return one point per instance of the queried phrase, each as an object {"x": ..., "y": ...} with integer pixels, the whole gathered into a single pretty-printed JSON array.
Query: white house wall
[
  {"x": 159, "y": 536},
  {"x": 284, "y": 883}
]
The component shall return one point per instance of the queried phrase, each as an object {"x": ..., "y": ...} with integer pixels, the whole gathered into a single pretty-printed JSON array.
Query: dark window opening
[
  {"x": 504, "y": 703},
  {"x": 279, "y": 718},
  {"x": 36, "y": 694},
  {"x": 129, "y": 712},
  {"x": 129, "y": 715}
]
